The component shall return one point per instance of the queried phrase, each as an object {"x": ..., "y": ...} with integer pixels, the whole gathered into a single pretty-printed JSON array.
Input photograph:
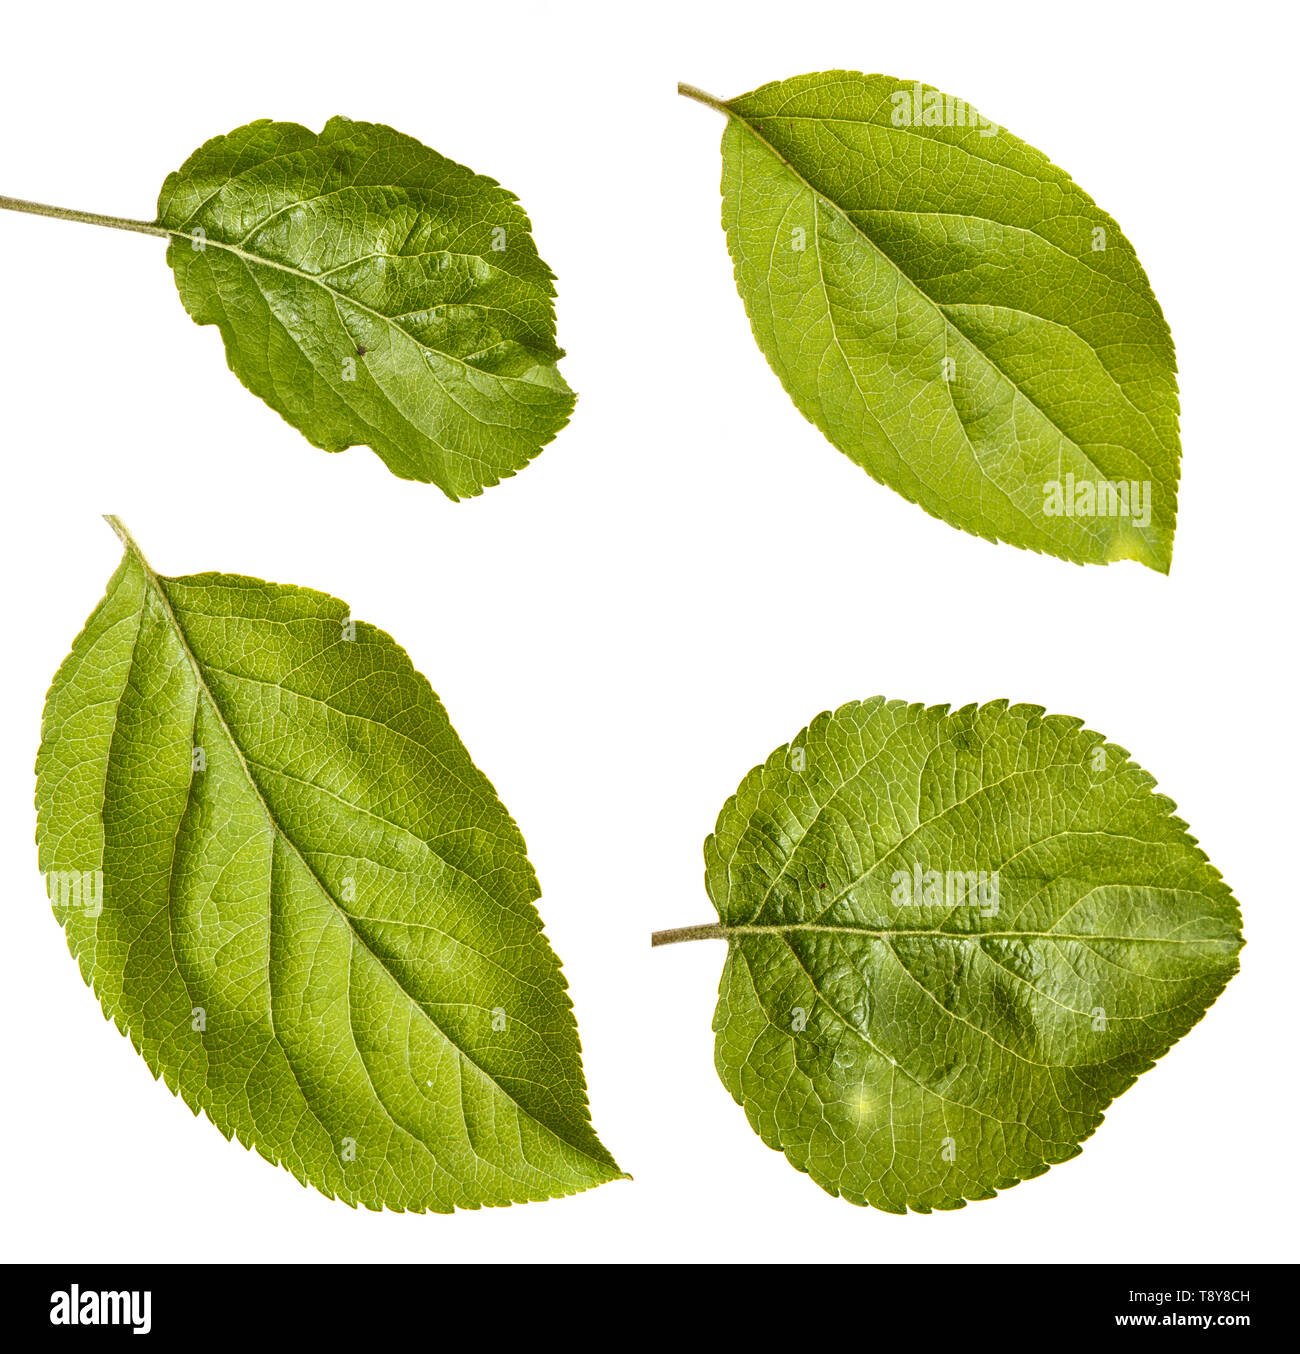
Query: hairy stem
[
  {"x": 691, "y": 92},
  {"x": 129, "y": 541},
  {"x": 709, "y": 931},
  {"x": 17, "y": 204}
]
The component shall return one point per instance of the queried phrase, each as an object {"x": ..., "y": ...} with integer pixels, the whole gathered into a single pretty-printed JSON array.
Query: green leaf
[
  {"x": 953, "y": 940},
  {"x": 288, "y": 883},
  {"x": 954, "y": 313},
  {"x": 369, "y": 290},
  {"x": 373, "y": 292}
]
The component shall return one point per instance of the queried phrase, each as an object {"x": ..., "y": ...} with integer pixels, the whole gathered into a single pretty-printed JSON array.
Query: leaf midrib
[
  {"x": 888, "y": 932},
  {"x": 248, "y": 258},
  {"x": 155, "y": 586}
]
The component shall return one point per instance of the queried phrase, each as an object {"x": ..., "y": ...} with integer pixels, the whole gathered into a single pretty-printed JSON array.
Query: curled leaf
[{"x": 371, "y": 291}]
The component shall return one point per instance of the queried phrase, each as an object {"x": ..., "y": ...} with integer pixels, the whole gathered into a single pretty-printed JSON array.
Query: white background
[{"x": 675, "y": 587}]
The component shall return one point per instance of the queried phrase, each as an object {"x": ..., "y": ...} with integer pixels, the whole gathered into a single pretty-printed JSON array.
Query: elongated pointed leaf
[
  {"x": 955, "y": 314},
  {"x": 953, "y": 940},
  {"x": 374, "y": 292},
  {"x": 288, "y": 883}
]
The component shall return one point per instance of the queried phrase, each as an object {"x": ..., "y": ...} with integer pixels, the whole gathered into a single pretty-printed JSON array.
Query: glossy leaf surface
[
  {"x": 953, "y": 940},
  {"x": 373, "y": 292}
]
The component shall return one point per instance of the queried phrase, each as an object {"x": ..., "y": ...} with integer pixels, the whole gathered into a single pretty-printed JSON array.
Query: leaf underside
[
  {"x": 318, "y": 920},
  {"x": 955, "y": 314},
  {"x": 373, "y": 292},
  {"x": 953, "y": 940}
]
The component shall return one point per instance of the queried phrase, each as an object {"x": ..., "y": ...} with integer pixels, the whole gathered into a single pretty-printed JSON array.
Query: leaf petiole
[
  {"x": 129, "y": 542},
  {"x": 17, "y": 204},
  {"x": 709, "y": 931},
  {"x": 691, "y": 92}
]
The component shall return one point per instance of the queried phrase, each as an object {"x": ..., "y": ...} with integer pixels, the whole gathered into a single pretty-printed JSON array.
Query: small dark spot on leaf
[{"x": 361, "y": 352}]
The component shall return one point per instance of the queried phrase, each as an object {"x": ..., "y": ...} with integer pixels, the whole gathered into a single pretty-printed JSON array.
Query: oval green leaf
[
  {"x": 287, "y": 882},
  {"x": 953, "y": 940},
  {"x": 954, "y": 313},
  {"x": 373, "y": 292}
]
